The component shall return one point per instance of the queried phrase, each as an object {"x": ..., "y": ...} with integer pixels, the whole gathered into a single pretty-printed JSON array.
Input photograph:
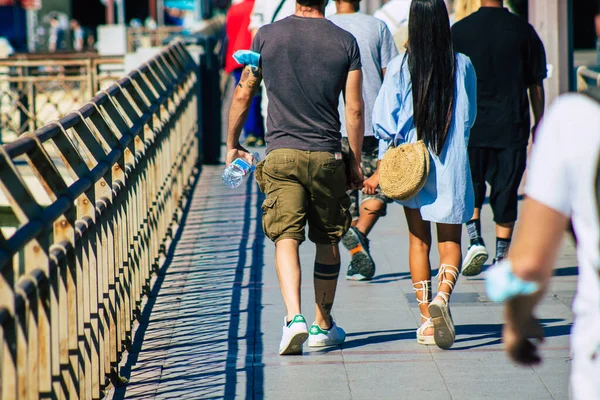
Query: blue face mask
[
  {"x": 247, "y": 57},
  {"x": 502, "y": 285}
]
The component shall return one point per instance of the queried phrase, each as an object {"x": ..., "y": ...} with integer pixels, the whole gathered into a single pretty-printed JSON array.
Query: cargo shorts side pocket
[
  {"x": 258, "y": 176},
  {"x": 332, "y": 165},
  {"x": 345, "y": 216},
  {"x": 270, "y": 220}
]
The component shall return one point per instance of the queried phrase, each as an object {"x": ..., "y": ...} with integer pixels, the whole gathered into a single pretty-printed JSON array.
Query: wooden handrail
[{"x": 73, "y": 273}]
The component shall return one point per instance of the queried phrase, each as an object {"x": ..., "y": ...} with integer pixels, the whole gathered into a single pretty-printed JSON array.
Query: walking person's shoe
[
  {"x": 250, "y": 140},
  {"x": 439, "y": 309},
  {"x": 422, "y": 338},
  {"x": 362, "y": 266},
  {"x": 425, "y": 290},
  {"x": 260, "y": 142},
  {"x": 474, "y": 260},
  {"x": 294, "y": 335},
  {"x": 319, "y": 337}
]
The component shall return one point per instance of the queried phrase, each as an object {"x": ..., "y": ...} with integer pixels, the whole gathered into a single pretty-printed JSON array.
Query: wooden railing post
[{"x": 72, "y": 276}]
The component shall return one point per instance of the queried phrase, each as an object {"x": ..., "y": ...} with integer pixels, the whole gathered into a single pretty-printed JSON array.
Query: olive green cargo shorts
[{"x": 304, "y": 186}]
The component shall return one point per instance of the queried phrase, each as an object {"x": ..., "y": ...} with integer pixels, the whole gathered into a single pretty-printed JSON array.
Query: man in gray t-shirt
[
  {"x": 377, "y": 49},
  {"x": 306, "y": 62}
]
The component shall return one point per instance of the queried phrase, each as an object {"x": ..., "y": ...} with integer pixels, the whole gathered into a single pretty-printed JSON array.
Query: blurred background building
[{"x": 566, "y": 26}]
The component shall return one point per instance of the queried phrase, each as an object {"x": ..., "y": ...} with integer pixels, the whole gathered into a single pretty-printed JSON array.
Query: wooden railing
[
  {"x": 587, "y": 77},
  {"x": 113, "y": 178},
  {"x": 142, "y": 37},
  {"x": 146, "y": 37},
  {"x": 38, "y": 89}
]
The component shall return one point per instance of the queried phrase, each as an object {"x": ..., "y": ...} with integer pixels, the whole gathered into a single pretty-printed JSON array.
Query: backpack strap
[{"x": 277, "y": 10}]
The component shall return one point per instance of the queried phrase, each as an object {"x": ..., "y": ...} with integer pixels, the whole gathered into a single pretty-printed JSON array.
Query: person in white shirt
[
  {"x": 563, "y": 188},
  {"x": 395, "y": 15},
  {"x": 268, "y": 11},
  {"x": 562, "y": 185}
]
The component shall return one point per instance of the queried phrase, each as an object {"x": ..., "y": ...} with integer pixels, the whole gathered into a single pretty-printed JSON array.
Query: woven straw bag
[{"x": 404, "y": 170}]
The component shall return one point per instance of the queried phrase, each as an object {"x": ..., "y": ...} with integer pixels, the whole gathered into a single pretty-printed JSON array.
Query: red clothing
[{"x": 238, "y": 34}]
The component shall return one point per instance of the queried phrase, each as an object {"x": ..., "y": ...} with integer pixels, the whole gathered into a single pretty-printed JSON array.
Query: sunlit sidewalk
[{"x": 212, "y": 326}]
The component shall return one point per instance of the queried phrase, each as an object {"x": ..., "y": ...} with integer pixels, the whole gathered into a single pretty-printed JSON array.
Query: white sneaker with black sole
[
  {"x": 294, "y": 335},
  {"x": 319, "y": 337},
  {"x": 474, "y": 260}
]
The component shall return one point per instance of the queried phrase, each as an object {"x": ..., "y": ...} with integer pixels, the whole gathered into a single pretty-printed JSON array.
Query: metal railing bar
[
  {"x": 25, "y": 234},
  {"x": 131, "y": 153},
  {"x": 4, "y": 316},
  {"x": 19, "y": 147}
]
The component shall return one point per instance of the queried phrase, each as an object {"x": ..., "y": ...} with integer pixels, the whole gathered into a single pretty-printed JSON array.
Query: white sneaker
[
  {"x": 476, "y": 256},
  {"x": 294, "y": 336},
  {"x": 319, "y": 337}
]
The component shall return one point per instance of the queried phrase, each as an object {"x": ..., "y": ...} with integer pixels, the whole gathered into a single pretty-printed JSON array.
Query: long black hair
[{"x": 432, "y": 66}]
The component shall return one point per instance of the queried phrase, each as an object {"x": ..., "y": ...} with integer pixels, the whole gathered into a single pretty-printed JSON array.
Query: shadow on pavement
[
  {"x": 478, "y": 332},
  {"x": 253, "y": 336},
  {"x": 386, "y": 278},
  {"x": 138, "y": 339},
  {"x": 186, "y": 351},
  {"x": 396, "y": 276},
  {"x": 475, "y": 333}
]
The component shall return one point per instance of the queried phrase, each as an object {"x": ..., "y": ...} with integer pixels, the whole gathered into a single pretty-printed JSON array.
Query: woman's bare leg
[
  {"x": 418, "y": 259},
  {"x": 449, "y": 237}
]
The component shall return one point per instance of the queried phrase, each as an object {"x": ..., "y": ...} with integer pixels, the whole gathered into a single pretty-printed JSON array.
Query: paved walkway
[{"x": 212, "y": 326}]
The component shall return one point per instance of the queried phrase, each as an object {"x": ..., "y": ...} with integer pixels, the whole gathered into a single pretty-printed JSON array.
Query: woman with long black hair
[{"x": 429, "y": 94}]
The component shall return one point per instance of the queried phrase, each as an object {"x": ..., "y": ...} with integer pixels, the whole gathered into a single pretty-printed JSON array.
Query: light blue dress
[{"x": 447, "y": 196}]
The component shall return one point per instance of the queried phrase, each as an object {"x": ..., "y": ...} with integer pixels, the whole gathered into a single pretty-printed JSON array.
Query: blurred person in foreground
[
  {"x": 563, "y": 189},
  {"x": 562, "y": 185},
  {"x": 377, "y": 49},
  {"x": 429, "y": 93},
  {"x": 510, "y": 61},
  {"x": 240, "y": 38},
  {"x": 306, "y": 62}
]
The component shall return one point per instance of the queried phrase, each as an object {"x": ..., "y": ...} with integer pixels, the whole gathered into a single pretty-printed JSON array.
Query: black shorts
[{"x": 503, "y": 169}]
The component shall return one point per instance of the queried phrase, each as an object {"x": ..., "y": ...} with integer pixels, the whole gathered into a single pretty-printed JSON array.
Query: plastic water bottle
[{"x": 239, "y": 169}]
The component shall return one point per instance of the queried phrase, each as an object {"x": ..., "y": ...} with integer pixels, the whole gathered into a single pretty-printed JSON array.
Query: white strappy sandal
[
  {"x": 424, "y": 289},
  {"x": 439, "y": 310}
]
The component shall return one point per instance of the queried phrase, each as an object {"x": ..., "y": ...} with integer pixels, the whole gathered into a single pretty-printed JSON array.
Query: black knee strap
[{"x": 327, "y": 272}]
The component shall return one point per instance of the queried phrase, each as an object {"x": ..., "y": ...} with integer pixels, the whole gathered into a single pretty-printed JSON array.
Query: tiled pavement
[{"x": 212, "y": 327}]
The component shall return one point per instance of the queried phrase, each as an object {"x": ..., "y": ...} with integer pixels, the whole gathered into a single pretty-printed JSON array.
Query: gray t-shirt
[
  {"x": 377, "y": 49},
  {"x": 305, "y": 64}
]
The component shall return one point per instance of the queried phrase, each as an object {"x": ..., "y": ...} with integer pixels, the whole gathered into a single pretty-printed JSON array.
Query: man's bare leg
[
  {"x": 328, "y": 256},
  {"x": 287, "y": 264},
  {"x": 369, "y": 215},
  {"x": 504, "y": 232}
]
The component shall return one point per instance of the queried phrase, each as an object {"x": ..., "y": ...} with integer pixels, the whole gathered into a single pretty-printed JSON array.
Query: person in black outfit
[{"x": 510, "y": 61}]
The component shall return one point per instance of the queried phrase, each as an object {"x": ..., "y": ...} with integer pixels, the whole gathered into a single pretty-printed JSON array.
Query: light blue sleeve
[
  {"x": 386, "y": 110},
  {"x": 471, "y": 87}
]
